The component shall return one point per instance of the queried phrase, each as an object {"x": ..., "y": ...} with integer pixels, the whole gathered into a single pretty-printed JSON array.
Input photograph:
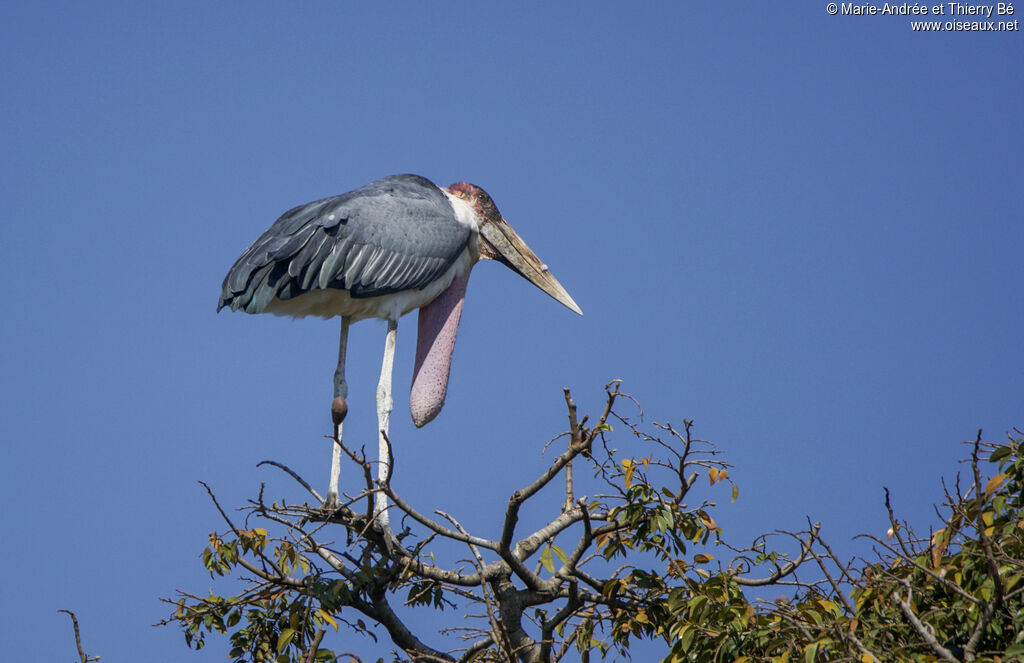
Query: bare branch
[
  {"x": 434, "y": 526},
  {"x": 785, "y": 570},
  {"x": 295, "y": 476},
  {"x": 498, "y": 633},
  {"x": 78, "y": 639},
  {"x": 381, "y": 611},
  {"x": 989, "y": 608},
  {"x": 476, "y": 648},
  {"x": 920, "y": 628},
  {"x": 314, "y": 646},
  {"x": 279, "y": 576},
  {"x": 574, "y": 439}
]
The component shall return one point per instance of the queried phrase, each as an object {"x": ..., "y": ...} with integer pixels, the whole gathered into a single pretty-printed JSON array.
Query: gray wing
[{"x": 397, "y": 233}]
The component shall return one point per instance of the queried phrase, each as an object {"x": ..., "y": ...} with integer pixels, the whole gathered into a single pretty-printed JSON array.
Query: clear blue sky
[{"x": 803, "y": 231}]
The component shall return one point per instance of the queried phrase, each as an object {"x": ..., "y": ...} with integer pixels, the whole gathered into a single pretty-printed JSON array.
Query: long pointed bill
[{"x": 516, "y": 254}]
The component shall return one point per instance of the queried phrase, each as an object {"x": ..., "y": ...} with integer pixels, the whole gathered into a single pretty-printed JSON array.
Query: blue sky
[{"x": 803, "y": 231}]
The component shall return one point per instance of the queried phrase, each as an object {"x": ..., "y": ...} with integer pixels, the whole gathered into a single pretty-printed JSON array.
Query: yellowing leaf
[
  {"x": 939, "y": 542},
  {"x": 701, "y": 558},
  {"x": 327, "y": 618},
  {"x": 628, "y": 466},
  {"x": 707, "y": 521},
  {"x": 735, "y": 492},
  {"x": 712, "y": 475},
  {"x": 995, "y": 482},
  {"x": 937, "y": 554},
  {"x": 829, "y": 606}
]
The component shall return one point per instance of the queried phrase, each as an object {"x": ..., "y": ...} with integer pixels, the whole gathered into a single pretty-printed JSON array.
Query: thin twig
[
  {"x": 294, "y": 476},
  {"x": 78, "y": 639},
  {"x": 790, "y": 567},
  {"x": 498, "y": 633}
]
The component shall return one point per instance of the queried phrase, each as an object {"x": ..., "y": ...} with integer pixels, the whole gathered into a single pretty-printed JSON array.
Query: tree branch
[
  {"x": 314, "y": 646},
  {"x": 920, "y": 628},
  {"x": 783, "y": 571},
  {"x": 295, "y": 476},
  {"x": 989, "y": 608},
  {"x": 78, "y": 639}
]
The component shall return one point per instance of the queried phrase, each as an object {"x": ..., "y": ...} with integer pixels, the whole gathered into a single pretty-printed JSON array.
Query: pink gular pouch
[{"x": 435, "y": 340}]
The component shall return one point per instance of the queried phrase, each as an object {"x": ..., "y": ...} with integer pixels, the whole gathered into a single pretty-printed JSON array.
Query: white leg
[
  {"x": 384, "y": 406},
  {"x": 340, "y": 391}
]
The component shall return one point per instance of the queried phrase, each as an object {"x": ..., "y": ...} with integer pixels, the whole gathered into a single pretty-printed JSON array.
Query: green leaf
[
  {"x": 285, "y": 638},
  {"x": 813, "y": 615},
  {"x": 545, "y": 559},
  {"x": 999, "y": 454},
  {"x": 686, "y": 639},
  {"x": 559, "y": 553}
]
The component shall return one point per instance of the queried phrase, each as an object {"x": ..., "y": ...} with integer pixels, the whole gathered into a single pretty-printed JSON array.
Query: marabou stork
[{"x": 380, "y": 251}]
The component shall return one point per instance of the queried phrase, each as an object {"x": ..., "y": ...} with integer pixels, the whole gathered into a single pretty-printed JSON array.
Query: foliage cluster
[
  {"x": 956, "y": 594},
  {"x": 637, "y": 557}
]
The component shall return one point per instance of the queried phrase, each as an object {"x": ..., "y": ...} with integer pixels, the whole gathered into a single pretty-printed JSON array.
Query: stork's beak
[{"x": 514, "y": 252}]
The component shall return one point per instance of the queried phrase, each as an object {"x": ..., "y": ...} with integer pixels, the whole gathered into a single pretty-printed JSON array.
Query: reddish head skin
[{"x": 485, "y": 208}]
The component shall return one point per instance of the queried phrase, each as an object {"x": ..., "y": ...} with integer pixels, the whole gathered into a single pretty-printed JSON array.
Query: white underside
[{"x": 334, "y": 302}]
